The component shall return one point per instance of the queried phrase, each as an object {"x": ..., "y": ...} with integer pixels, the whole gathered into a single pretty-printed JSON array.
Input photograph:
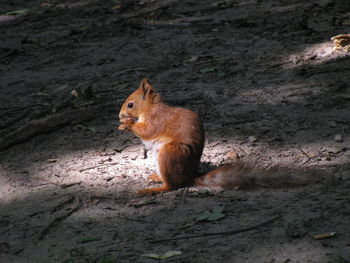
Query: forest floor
[{"x": 262, "y": 75}]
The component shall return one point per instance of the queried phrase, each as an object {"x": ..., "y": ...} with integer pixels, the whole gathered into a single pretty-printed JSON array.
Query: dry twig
[
  {"x": 60, "y": 218},
  {"x": 149, "y": 9},
  {"x": 97, "y": 166},
  {"x": 232, "y": 232},
  {"x": 304, "y": 153},
  {"x": 59, "y": 206},
  {"x": 184, "y": 195}
]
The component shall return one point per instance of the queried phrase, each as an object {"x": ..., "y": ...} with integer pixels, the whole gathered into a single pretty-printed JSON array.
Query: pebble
[
  {"x": 338, "y": 138},
  {"x": 333, "y": 124},
  {"x": 252, "y": 139}
]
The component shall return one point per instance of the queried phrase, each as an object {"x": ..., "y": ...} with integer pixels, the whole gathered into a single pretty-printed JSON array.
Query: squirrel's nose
[{"x": 122, "y": 115}]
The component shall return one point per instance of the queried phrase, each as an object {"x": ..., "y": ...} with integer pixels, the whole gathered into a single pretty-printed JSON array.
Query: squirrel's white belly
[{"x": 155, "y": 146}]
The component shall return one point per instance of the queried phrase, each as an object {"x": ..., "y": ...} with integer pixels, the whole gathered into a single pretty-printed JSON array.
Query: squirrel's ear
[
  {"x": 147, "y": 89},
  {"x": 145, "y": 85},
  {"x": 148, "y": 92}
]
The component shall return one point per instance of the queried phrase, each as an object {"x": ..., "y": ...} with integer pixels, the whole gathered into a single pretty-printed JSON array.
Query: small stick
[
  {"x": 55, "y": 208},
  {"x": 134, "y": 219},
  {"x": 148, "y": 9},
  {"x": 232, "y": 232},
  {"x": 59, "y": 206},
  {"x": 143, "y": 203},
  {"x": 97, "y": 166},
  {"x": 128, "y": 71},
  {"x": 179, "y": 21},
  {"x": 184, "y": 195},
  {"x": 303, "y": 152},
  {"x": 14, "y": 108},
  {"x": 59, "y": 219}
]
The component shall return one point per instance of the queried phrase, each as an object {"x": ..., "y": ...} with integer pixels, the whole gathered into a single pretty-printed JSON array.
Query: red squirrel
[{"x": 176, "y": 137}]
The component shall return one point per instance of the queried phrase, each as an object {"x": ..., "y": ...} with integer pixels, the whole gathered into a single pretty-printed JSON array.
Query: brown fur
[
  {"x": 241, "y": 176},
  {"x": 179, "y": 132}
]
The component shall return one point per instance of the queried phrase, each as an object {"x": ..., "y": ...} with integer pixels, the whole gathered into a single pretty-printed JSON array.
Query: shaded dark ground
[{"x": 263, "y": 76}]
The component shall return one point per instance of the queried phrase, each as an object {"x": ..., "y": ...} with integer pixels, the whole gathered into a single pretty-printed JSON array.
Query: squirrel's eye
[{"x": 130, "y": 104}]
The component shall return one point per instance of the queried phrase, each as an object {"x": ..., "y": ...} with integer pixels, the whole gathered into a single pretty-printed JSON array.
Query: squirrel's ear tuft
[
  {"x": 145, "y": 85},
  {"x": 148, "y": 92},
  {"x": 146, "y": 88}
]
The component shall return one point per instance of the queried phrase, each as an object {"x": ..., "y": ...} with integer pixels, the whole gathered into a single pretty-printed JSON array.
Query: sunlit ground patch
[{"x": 316, "y": 54}]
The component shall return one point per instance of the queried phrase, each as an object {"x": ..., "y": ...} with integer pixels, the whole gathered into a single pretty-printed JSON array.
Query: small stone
[
  {"x": 333, "y": 124},
  {"x": 252, "y": 139},
  {"x": 325, "y": 3},
  {"x": 144, "y": 153},
  {"x": 108, "y": 152},
  {"x": 338, "y": 138}
]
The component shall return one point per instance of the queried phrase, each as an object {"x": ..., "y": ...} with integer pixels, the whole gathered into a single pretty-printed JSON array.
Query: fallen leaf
[
  {"x": 166, "y": 255},
  {"x": 211, "y": 215},
  {"x": 193, "y": 59},
  {"x": 82, "y": 127},
  {"x": 324, "y": 236},
  {"x": 88, "y": 239},
  {"x": 116, "y": 7},
  {"x": 17, "y": 12},
  {"x": 106, "y": 260},
  {"x": 41, "y": 94},
  {"x": 221, "y": 74},
  {"x": 207, "y": 70},
  {"x": 61, "y": 87}
]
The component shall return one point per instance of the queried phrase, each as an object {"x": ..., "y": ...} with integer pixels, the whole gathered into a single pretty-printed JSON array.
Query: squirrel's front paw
[
  {"x": 123, "y": 127},
  {"x": 126, "y": 124}
]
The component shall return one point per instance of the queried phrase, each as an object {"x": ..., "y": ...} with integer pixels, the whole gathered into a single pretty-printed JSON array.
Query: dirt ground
[{"x": 263, "y": 76}]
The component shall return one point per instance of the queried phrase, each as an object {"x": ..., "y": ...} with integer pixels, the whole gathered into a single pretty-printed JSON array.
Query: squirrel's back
[{"x": 179, "y": 124}]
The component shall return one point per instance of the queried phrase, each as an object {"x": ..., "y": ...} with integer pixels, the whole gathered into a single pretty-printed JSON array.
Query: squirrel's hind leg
[
  {"x": 177, "y": 168},
  {"x": 155, "y": 178},
  {"x": 177, "y": 165},
  {"x": 149, "y": 191}
]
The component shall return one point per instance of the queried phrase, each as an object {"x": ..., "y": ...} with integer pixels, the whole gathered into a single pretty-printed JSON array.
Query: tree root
[{"x": 49, "y": 124}]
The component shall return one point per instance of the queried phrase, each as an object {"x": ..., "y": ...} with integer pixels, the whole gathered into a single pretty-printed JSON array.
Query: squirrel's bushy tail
[{"x": 241, "y": 176}]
